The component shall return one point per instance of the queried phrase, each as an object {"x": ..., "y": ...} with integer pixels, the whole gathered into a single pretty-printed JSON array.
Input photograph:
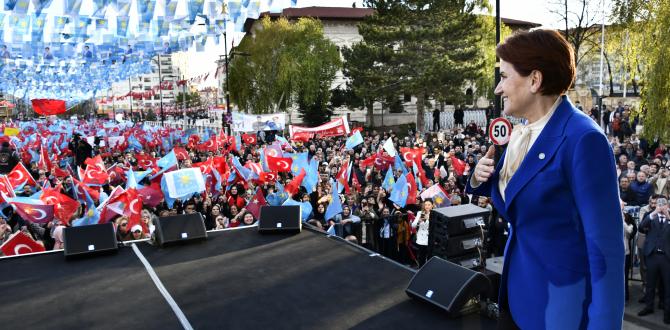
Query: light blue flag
[
  {"x": 91, "y": 217},
  {"x": 59, "y": 23},
  {"x": 194, "y": 8},
  {"x": 311, "y": 176},
  {"x": 168, "y": 161},
  {"x": 335, "y": 206},
  {"x": 399, "y": 164},
  {"x": 400, "y": 191},
  {"x": 10, "y": 4},
  {"x": 170, "y": 9},
  {"x": 305, "y": 208},
  {"x": 299, "y": 162},
  {"x": 184, "y": 183},
  {"x": 353, "y": 141},
  {"x": 101, "y": 23},
  {"x": 389, "y": 180},
  {"x": 244, "y": 172},
  {"x": 416, "y": 176},
  {"x": 21, "y": 7},
  {"x": 122, "y": 25},
  {"x": 72, "y": 7}
]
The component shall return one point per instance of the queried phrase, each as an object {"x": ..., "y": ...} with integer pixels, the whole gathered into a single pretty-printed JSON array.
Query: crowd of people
[{"x": 368, "y": 216}]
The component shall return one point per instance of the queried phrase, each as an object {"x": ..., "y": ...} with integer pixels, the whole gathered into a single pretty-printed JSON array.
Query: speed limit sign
[{"x": 500, "y": 131}]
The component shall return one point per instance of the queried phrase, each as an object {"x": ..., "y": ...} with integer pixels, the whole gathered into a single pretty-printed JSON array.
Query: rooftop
[{"x": 348, "y": 13}]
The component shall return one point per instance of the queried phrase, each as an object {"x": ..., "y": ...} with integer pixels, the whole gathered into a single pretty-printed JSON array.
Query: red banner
[
  {"x": 337, "y": 127},
  {"x": 48, "y": 107}
]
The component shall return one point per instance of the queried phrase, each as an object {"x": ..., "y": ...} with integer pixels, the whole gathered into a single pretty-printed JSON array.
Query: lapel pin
[{"x": 541, "y": 155}]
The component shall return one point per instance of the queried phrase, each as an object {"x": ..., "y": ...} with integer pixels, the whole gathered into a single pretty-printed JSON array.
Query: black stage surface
[{"x": 237, "y": 279}]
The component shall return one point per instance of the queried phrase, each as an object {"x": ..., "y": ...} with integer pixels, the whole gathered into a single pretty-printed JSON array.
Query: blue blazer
[{"x": 564, "y": 259}]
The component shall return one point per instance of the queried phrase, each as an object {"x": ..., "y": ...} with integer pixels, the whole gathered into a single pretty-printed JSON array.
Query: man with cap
[{"x": 656, "y": 251}]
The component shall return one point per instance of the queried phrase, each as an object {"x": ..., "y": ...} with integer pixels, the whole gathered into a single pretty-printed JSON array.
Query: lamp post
[
  {"x": 160, "y": 94},
  {"x": 497, "y": 103}
]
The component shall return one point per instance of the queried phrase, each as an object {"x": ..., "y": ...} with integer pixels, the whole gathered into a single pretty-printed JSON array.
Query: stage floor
[{"x": 237, "y": 279}]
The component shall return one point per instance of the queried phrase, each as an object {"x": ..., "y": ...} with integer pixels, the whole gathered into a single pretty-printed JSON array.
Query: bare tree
[{"x": 582, "y": 19}]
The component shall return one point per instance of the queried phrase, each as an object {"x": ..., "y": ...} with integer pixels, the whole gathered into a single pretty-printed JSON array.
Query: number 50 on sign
[{"x": 500, "y": 131}]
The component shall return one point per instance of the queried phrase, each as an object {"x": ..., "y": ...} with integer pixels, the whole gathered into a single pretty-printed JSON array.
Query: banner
[
  {"x": 337, "y": 127},
  {"x": 48, "y": 107},
  {"x": 251, "y": 123}
]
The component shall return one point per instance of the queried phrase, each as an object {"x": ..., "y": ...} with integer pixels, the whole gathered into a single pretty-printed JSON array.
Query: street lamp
[{"x": 159, "y": 88}]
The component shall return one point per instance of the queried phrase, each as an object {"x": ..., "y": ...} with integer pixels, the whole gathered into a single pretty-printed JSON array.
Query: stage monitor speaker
[
  {"x": 280, "y": 219},
  {"x": 448, "y": 286},
  {"x": 89, "y": 240},
  {"x": 458, "y": 220},
  {"x": 181, "y": 228}
]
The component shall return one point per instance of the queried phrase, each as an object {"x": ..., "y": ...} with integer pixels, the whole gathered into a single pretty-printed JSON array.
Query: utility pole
[
  {"x": 130, "y": 91},
  {"x": 497, "y": 103}
]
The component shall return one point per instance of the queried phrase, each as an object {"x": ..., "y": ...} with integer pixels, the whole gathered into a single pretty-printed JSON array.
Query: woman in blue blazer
[{"x": 556, "y": 186}]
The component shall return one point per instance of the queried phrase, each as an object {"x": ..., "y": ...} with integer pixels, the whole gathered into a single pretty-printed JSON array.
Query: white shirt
[
  {"x": 515, "y": 144},
  {"x": 422, "y": 232}
]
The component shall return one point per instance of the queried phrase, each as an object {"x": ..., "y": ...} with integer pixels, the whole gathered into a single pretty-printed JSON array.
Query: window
[{"x": 407, "y": 98}]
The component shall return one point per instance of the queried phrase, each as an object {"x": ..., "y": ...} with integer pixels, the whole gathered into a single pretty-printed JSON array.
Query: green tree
[
  {"x": 428, "y": 48},
  {"x": 284, "y": 63},
  {"x": 191, "y": 100},
  {"x": 150, "y": 115},
  {"x": 651, "y": 18}
]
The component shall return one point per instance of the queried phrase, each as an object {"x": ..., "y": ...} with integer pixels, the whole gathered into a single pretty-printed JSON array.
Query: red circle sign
[{"x": 500, "y": 130}]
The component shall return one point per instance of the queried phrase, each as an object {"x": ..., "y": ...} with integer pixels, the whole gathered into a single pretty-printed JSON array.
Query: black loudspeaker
[
  {"x": 88, "y": 240},
  {"x": 458, "y": 220},
  {"x": 181, "y": 228},
  {"x": 280, "y": 219},
  {"x": 448, "y": 286}
]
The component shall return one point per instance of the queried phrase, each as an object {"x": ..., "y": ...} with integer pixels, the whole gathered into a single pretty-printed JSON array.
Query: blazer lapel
[{"x": 542, "y": 150}]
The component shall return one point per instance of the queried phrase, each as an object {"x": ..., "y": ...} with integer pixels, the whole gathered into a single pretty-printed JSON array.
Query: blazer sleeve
[
  {"x": 483, "y": 189},
  {"x": 594, "y": 187}
]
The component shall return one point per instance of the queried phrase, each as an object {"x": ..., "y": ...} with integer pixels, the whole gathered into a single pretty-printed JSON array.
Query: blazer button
[{"x": 541, "y": 155}]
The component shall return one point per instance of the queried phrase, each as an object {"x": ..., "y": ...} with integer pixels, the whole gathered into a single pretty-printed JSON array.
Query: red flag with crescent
[
  {"x": 20, "y": 243},
  {"x": 279, "y": 164}
]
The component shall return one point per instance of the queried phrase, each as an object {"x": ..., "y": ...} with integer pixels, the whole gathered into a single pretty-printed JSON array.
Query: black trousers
[
  {"x": 627, "y": 269},
  {"x": 421, "y": 253},
  {"x": 658, "y": 268}
]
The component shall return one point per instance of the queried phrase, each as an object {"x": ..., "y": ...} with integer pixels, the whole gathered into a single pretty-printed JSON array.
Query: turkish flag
[
  {"x": 279, "y": 164},
  {"x": 205, "y": 167},
  {"x": 44, "y": 162},
  {"x": 151, "y": 195},
  {"x": 60, "y": 173},
  {"x": 134, "y": 209},
  {"x": 412, "y": 191},
  {"x": 181, "y": 153},
  {"x": 64, "y": 206},
  {"x": 94, "y": 176},
  {"x": 79, "y": 190},
  {"x": 6, "y": 189},
  {"x": 48, "y": 107},
  {"x": 342, "y": 176},
  {"x": 19, "y": 175},
  {"x": 293, "y": 186},
  {"x": 116, "y": 174},
  {"x": 34, "y": 212},
  {"x": 96, "y": 162},
  {"x": 219, "y": 163},
  {"x": 382, "y": 161},
  {"x": 145, "y": 161},
  {"x": 254, "y": 206},
  {"x": 20, "y": 243},
  {"x": 459, "y": 165},
  {"x": 267, "y": 177},
  {"x": 412, "y": 154},
  {"x": 249, "y": 138}
]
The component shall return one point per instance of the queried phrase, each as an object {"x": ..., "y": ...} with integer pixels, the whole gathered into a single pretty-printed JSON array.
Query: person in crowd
[
  {"x": 629, "y": 232},
  {"x": 641, "y": 189},
  {"x": 436, "y": 119},
  {"x": 659, "y": 182},
  {"x": 8, "y": 158},
  {"x": 557, "y": 178},
  {"x": 318, "y": 216},
  {"x": 656, "y": 226},
  {"x": 137, "y": 233}
]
